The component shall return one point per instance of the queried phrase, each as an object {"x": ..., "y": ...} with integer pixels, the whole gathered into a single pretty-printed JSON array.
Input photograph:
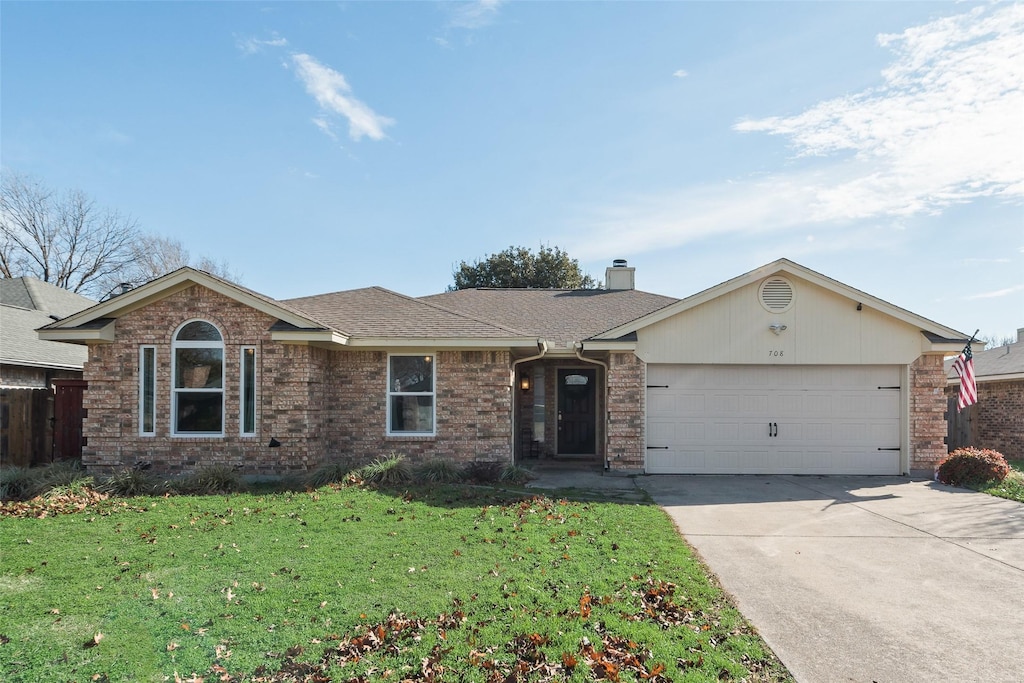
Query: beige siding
[{"x": 822, "y": 328}]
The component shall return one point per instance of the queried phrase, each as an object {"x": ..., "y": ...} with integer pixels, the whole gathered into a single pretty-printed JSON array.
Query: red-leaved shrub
[{"x": 972, "y": 467}]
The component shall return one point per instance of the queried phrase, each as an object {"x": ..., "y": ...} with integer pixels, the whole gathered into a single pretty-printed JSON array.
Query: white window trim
[
  {"x": 241, "y": 392},
  {"x": 175, "y": 345},
  {"x": 142, "y": 390},
  {"x": 432, "y": 394}
]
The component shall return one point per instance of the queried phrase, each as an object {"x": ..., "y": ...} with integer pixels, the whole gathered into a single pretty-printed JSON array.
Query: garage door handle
[
  {"x": 773, "y": 429},
  {"x": 889, "y": 449},
  {"x": 657, "y": 448}
]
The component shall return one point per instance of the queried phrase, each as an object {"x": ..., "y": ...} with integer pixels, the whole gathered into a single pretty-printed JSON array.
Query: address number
[{"x": 775, "y": 354}]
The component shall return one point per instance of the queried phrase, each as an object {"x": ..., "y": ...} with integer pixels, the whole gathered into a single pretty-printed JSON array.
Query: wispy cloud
[
  {"x": 680, "y": 73},
  {"x": 251, "y": 45},
  {"x": 334, "y": 95},
  {"x": 473, "y": 15},
  {"x": 996, "y": 294},
  {"x": 942, "y": 128}
]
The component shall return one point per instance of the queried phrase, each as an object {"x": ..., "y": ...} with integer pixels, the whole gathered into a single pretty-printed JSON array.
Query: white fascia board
[
  {"x": 608, "y": 345},
  {"x": 40, "y": 364},
  {"x": 330, "y": 337},
  {"x": 443, "y": 342},
  {"x": 103, "y": 335},
  {"x": 955, "y": 381}
]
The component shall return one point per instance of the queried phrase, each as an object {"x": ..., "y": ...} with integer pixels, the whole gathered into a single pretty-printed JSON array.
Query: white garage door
[{"x": 773, "y": 419}]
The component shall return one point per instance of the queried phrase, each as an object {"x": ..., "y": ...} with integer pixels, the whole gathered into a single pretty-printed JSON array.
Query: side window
[
  {"x": 147, "y": 391},
  {"x": 411, "y": 395},
  {"x": 247, "y": 393},
  {"x": 197, "y": 395}
]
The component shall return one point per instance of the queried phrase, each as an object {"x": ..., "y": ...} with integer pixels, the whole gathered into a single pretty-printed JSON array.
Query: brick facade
[
  {"x": 318, "y": 404},
  {"x": 997, "y": 419},
  {"x": 927, "y": 412}
]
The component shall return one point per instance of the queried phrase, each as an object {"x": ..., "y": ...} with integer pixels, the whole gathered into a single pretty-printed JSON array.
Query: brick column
[
  {"x": 626, "y": 396},
  {"x": 927, "y": 412}
]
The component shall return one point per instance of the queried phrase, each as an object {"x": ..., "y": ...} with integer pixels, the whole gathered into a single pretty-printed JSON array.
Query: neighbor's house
[
  {"x": 40, "y": 381},
  {"x": 779, "y": 370},
  {"x": 996, "y": 421}
]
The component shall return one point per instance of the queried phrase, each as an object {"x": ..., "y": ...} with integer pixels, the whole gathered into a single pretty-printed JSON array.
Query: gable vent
[{"x": 776, "y": 294}]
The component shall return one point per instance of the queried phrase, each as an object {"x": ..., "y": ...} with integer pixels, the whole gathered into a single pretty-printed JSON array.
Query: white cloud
[
  {"x": 473, "y": 15},
  {"x": 252, "y": 45},
  {"x": 996, "y": 294},
  {"x": 334, "y": 95},
  {"x": 943, "y": 128},
  {"x": 680, "y": 73}
]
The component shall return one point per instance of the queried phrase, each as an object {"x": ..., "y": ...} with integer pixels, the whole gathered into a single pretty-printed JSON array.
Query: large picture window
[
  {"x": 198, "y": 371},
  {"x": 411, "y": 394}
]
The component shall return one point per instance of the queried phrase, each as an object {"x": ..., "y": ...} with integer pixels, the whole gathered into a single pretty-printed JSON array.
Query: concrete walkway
[{"x": 863, "y": 578}]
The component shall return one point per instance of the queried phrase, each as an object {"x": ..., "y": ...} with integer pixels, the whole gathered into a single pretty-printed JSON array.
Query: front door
[{"x": 576, "y": 412}]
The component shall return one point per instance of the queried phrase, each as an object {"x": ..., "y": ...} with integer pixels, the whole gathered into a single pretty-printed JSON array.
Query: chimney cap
[{"x": 619, "y": 263}]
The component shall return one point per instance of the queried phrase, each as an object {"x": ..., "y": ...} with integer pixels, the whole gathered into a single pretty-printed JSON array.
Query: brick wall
[
  {"x": 927, "y": 412},
  {"x": 318, "y": 404},
  {"x": 997, "y": 419},
  {"x": 626, "y": 394}
]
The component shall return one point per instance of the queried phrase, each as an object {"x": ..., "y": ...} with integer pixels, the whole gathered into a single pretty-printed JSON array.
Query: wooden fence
[{"x": 26, "y": 436}]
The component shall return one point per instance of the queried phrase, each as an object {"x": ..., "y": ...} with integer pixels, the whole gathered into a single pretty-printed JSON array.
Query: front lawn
[
  {"x": 352, "y": 584},
  {"x": 1013, "y": 486}
]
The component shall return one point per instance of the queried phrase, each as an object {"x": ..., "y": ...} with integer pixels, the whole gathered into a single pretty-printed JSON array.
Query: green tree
[{"x": 519, "y": 267}]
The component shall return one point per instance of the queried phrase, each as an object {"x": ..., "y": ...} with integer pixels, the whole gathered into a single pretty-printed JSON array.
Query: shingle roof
[
  {"x": 20, "y": 345},
  {"x": 990, "y": 364},
  {"x": 556, "y": 315},
  {"x": 378, "y": 312},
  {"x": 34, "y": 294}
]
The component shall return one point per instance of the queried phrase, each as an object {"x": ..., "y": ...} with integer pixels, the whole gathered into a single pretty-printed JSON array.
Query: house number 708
[{"x": 775, "y": 354}]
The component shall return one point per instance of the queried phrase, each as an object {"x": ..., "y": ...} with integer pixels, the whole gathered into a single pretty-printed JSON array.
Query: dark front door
[
  {"x": 68, "y": 413},
  {"x": 577, "y": 412}
]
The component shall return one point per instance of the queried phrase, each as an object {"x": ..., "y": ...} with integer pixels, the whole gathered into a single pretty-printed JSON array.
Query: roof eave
[
  {"x": 444, "y": 342},
  {"x": 79, "y": 335},
  {"x": 310, "y": 336}
]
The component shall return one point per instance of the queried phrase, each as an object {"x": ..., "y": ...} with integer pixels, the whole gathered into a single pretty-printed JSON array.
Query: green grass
[
  {"x": 445, "y": 584},
  {"x": 1013, "y": 486}
]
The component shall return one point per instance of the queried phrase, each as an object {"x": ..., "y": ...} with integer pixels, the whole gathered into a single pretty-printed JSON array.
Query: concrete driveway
[{"x": 864, "y": 578}]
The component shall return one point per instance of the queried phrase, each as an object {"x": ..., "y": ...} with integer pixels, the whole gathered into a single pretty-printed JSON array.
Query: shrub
[
  {"x": 131, "y": 481},
  {"x": 439, "y": 471},
  {"x": 390, "y": 471},
  {"x": 19, "y": 483},
  {"x": 328, "y": 473},
  {"x": 64, "y": 473},
  {"x": 972, "y": 467},
  {"x": 483, "y": 471},
  {"x": 208, "y": 480},
  {"x": 516, "y": 474}
]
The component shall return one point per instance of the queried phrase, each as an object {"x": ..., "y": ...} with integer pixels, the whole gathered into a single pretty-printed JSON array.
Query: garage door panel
[{"x": 774, "y": 419}]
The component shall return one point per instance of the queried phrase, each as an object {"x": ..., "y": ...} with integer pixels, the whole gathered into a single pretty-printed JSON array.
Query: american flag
[{"x": 964, "y": 366}]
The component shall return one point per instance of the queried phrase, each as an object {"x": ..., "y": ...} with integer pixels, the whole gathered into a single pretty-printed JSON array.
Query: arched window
[{"x": 198, "y": 371}]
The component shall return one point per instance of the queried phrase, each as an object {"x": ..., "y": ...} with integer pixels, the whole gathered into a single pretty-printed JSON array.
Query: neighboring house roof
[
  {"x": 36, "y": 295},
  {"x": 27, "y": 304},
  {"x": 1000, "y": 363},
  {"x": 558, "y": 316}
]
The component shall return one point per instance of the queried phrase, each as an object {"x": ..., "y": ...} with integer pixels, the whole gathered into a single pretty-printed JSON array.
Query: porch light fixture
[
  {"x": 524, "y": 382},
  {"x": 777, "y": 328}
]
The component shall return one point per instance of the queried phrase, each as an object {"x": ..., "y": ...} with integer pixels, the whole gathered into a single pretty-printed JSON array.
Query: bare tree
[
  {"x": 156, "y": 256},
  {"x": 63, "y": 239}
]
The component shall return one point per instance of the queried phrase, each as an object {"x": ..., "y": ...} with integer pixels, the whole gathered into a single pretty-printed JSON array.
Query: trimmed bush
[
  {"x": 131, "y": 481},
  {"x": 972, "y": 467},
  {"x": 393, "y": 470},
  {"x": 439, "y": 471}
]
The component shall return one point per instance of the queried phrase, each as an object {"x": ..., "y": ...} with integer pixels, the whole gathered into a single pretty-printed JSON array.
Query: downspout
[
  {"x": 578, "y": 348},
  {"x": 542, "y": 348}
]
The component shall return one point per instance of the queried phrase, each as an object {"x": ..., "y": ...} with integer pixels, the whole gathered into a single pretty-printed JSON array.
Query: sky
[{"x": 323, "y": 146}]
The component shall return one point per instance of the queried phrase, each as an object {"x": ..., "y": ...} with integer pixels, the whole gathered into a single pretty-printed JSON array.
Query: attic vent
[{"x": 776, "y": 294}]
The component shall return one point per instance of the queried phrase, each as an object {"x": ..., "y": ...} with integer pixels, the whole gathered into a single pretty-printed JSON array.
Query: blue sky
[{"x": 317, "y": 147}]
